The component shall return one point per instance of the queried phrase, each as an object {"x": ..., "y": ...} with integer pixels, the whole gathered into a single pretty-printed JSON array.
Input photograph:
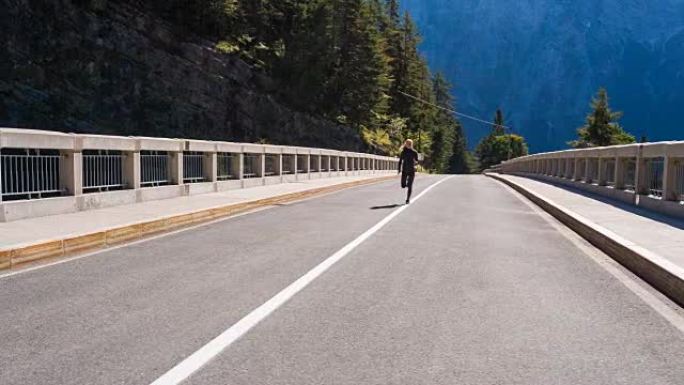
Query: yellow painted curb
[
  {"x": 123, "y": 234},
  {"x": 35, "y": 252},
  {"x": 85, "y": 242},
  {"x": 15, "y": 257},
  {"x": 5, "y": 259}
]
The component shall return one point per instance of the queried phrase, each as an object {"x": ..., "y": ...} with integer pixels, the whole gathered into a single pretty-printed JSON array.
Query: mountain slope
[{"x": 541, "y": 61}]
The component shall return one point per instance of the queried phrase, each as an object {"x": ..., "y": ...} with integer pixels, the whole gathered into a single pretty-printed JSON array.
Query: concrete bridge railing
[
  {"x": 45, "y": 173},
  {"x": 648, "y": 174}
]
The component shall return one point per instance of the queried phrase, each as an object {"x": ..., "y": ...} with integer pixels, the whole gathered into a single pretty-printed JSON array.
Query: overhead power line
[{"x": 454, "y": 112}]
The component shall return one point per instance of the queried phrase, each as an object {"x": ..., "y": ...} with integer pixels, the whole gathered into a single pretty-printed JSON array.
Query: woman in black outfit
[{"x": 407, "y": 167}]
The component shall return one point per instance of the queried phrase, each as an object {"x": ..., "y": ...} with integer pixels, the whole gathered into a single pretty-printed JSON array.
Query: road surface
[{"x": 467, "y": 285}]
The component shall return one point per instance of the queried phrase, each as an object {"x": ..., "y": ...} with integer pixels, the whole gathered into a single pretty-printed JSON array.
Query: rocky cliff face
[
  {"x": 541, "y": 61},
  {"x": 110, "y": 67}
]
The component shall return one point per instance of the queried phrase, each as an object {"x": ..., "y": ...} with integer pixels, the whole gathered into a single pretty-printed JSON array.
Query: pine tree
[
  {"x": 360, "y": 82},
  {"x": 602, "y": 127},
  {"x": 499, "y": 146},
  {"x": 393, "y": 11},
  {"x": 499, "y": 123}
]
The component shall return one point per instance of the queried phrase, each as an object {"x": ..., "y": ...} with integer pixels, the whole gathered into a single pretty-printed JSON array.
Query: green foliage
[
  {"x": 499, "y": 146},
  {"x": 602, "y": 127},
  {"x": 345, "y": 60}
]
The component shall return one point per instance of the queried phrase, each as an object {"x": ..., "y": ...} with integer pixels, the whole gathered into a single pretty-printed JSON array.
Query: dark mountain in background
[{"x": 542, "y": 60}]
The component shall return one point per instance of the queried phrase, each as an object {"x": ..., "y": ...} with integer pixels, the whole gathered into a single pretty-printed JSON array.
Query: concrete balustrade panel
[
  {"x": 36, "y": 139},
  {"x": 273, "y": 157},
  {"x": 135, "y": 163},
  {"x": 614, "y": 171},
  {"x": 303, "y": 172},
  {"x": 233, "y": 149},
  {"x": 256, "y": 165}
]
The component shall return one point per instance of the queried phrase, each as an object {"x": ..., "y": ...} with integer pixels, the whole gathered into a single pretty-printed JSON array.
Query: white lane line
[
  {"x": 195, "y": 361},
  {"x": 657, "y": 301}
]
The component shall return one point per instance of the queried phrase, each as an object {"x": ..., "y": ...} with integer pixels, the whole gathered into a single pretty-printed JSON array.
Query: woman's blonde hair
[{"x": 408, "y": 143}]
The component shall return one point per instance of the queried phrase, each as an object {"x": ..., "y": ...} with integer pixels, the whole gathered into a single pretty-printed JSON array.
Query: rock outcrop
[{"x": 113, "y": 68}]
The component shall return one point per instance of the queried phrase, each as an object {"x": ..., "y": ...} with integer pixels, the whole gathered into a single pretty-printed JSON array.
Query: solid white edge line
[
  {"x": 663, "y": 306},
  {"x": 206, "y": 353}
]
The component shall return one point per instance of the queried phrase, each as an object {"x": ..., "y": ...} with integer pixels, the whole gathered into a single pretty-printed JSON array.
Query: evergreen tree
[
  {"x": 499, "y": 123},
  {"x": 498, "y": 146},
  {"x": 602, "y": 127},
  {"x": 360, "y": 81},
  {"x": 393, "y": 11},
  {"x": 344, "y": 60}
]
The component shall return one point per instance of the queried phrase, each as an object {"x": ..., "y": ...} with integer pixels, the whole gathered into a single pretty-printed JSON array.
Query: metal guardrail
[
  {"x": 655, "y": 177},
  {"x": 288, "y": 164},
  {"x": 193, "y": 167},
  {"x": 654, "y": 170},
  {"x": 251, "y": 166},
  {"x": 314, "y": 163},
  {"x": 225, "y": 163},
  {"x": 154, "y": 168},
  {"x": 31, "y": 175},
  {"x": 301, "y": 164},
  {"x": 272, "y": 167},
  {"x": 103, "y": 171}
]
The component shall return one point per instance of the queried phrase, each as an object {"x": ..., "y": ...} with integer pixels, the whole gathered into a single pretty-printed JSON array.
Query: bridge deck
[
  {"x": 467, "y": 285},
  {"x": 29, "y": 231},
  {"x": 654, "y": 232}
]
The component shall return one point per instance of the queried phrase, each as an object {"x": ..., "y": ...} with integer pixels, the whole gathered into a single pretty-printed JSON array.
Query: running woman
[{"x": 407, "y": 167}]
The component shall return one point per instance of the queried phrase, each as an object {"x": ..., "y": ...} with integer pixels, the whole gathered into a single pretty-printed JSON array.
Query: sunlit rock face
[{"x": 541, "y": 61}]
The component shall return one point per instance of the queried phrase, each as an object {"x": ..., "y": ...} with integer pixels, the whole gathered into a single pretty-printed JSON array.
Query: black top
[{"x": 409, "y": 159}]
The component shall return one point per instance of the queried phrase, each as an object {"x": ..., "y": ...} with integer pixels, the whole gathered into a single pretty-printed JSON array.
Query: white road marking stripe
[{"x": 207, "y": 352}]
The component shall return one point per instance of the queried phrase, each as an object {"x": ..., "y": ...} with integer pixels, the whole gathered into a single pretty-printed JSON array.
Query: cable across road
[{"x": 453, "y": 112}]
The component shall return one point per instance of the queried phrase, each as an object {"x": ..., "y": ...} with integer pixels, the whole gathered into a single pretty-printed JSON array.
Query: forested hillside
[
  {"x": 319, "y": 72},
  {"x": 541, "y": 61}
]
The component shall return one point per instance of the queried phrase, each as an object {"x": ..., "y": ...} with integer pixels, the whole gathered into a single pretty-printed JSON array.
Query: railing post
[
  {"x": 587, "y": 170},
  {"x": 1, "y": 174},
  {"x": 71, "y": 173},
  {"x": 320, "y": 164},
  {"x": 241, "y": 166},
  {"x": 132, "y": 169},
  {"x": 602, "y": 178},
  {"x": 177, "y": 168},
  {"x": 279, "y": 167},
  {"x": 641, "y": 174},
  {"x": 620, "y": 171},
  {"x": 211, "y": 168},
  {"x": 262, "y": 166},
  {"x": 669, "y": 179}
]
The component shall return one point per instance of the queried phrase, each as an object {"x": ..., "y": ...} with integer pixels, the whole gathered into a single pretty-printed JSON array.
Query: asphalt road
[{"x": 468, "y": 285}]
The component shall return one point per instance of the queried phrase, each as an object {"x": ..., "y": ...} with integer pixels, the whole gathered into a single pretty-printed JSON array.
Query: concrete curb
[
  {"x": 16, "y": 256},
  {"x": 665, "y": 276}
]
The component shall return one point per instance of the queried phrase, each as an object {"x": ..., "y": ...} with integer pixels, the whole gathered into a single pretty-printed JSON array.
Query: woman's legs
[{"x": 409, "y": 183}]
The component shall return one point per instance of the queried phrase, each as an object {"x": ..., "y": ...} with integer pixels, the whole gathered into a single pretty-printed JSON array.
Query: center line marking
[{"x": 201, "y": 357}]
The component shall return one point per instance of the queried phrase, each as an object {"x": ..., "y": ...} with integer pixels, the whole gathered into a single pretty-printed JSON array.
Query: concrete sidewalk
[
  {"x": 618, "y": 229},
  {"x": 41, "y": 237}
]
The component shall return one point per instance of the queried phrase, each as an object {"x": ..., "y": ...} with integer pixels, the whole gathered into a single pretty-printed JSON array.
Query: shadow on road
[{"x": 386, "y": 207}]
